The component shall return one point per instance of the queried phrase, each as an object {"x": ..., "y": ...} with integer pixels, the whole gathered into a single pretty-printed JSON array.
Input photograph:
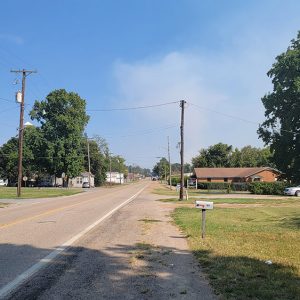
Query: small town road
[{"x": 34, "y": 232}]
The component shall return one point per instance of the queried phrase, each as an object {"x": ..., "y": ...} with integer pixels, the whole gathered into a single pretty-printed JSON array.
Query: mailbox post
[{"x": 204, "y": 205}]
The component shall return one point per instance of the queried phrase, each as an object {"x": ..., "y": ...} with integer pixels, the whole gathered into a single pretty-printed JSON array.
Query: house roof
[
  {"x": 86, "y": 174},
  {"x": 230, "y": 172}
]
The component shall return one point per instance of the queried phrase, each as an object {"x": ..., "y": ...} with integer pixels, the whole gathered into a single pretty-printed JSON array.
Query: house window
[
  {"x": 209, "y": 179},
  {"x": 256, "y": 179},
  {"x": 225, "y": 179},
  {"x": 79, "y": 180}
]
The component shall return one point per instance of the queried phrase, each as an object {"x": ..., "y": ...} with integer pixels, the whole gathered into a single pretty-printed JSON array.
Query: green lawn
[
  {"x": 191, "y": 192},
  {"x": 284, "y": 201},
  {"x": 27, "y": 193},
  {"x": 240, "y": 240}
]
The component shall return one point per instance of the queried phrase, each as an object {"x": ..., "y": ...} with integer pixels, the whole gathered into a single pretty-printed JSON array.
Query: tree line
[{"x": 58, "y": 144}]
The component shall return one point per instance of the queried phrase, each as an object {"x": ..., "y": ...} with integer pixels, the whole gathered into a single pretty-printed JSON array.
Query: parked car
[
  {"x": 85, "y": 185},
  {"x": 292, "y": 191}
]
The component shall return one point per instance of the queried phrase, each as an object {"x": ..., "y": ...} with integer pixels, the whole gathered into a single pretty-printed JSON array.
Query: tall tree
[
  {"x": 97, "y": 161},
  {"x": 63, "y": 117},
  {"x": 281, "y": 129},
  {"x": 250, "y": 156},
  {"x": 33, "y": 156},
  {"x": 161, "y": 168},
  {"x": 118, "y": 165},
  {"x": 215, "y": 156}
]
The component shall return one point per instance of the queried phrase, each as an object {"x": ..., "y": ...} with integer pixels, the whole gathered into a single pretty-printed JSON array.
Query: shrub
[
  {"x": 176, "y": 180},
  {"x": 267, "y": 188},
  {"x": 213, "y": 185}
]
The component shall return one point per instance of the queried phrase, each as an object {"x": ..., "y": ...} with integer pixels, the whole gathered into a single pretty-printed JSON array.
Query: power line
[
  {"x": 133, "y": 108},
  {"x": 7, "y": 100},
  {"x": 144, "y": 132},
  {"x": 235, "y": 117},
  {"x": 5, "y": 110}
]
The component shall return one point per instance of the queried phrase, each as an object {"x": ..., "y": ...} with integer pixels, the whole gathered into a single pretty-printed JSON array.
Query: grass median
[
  {"x": 249, "y": 252},
  {"x": 30, "y": 193}
]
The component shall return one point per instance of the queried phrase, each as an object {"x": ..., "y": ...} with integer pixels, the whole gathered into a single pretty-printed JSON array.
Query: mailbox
[{"x": 204, "y": 204}]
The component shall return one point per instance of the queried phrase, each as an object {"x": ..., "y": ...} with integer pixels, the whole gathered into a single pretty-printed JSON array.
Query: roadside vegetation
[
  {"x": 250, "y": 252},
  {"x": 29, "y": 193},
  {"x": 165, "y": 191}
]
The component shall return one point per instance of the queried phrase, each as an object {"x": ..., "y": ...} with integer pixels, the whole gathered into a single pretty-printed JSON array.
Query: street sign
[
  {"x": 204, "y": 204},
  {"x": 25, "y": 178}
]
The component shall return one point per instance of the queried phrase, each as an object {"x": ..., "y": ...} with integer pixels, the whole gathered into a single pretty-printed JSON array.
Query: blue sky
[{"x": 214, "y": 54}]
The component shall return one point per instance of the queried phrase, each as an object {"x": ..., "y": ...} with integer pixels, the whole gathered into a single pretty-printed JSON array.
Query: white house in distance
[
  {"x": 50, "y": 180},
  {"x": 79, "y": 180},
  {"x": 115, "y": 177}
]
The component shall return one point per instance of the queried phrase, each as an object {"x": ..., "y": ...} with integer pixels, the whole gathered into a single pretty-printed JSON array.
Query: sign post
[
  {"x": 204, "y": 205},
  {"x": 25, "y": 179}
]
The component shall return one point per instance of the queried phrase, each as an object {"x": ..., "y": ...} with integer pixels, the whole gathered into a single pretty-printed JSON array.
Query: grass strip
[
  {"x": 30, "y": 193},
  {"x": 291, "y": 201},
  {"x": 237, "y": 246}
]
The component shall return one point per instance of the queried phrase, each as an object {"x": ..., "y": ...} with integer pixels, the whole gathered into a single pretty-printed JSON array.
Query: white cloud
[
  {"x": 231, "y": 82},
  {"x": 173, "y": 77}
]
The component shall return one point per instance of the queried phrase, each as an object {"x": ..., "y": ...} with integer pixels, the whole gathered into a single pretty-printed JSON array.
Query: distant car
[
  {"x": 292, "y": 191},
  {"x": 85, "y": 185}
]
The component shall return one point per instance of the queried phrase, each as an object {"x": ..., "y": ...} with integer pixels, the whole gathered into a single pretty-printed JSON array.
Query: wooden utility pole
[
  {"x": 89, "y": 160},
  {"x": 182, "y": 103},
  {"x": 170, "y": 171},
  {"x": 25, "y": 73}
]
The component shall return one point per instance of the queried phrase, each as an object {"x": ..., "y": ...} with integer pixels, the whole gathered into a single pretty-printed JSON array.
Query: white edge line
[{"x": 8, "y": 288}]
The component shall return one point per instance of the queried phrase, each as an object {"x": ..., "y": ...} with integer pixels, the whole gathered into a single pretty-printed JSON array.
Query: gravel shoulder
[{"x": 135, "y": 254}]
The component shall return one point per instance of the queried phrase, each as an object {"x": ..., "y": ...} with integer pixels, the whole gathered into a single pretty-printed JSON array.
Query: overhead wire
[
  {"x": 5, "y": 110},
  {"x": 134, "y": 107},
  {"x": 143, "y": 132},
  {"x": 235, "y": 117},
  {"x": 7, "y": 100}
]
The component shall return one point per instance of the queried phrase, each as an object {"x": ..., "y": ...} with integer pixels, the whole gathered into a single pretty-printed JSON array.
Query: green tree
[
  {"x": 9, "y": 160},
  {"x": 118, "y": 164},
  {"x": 250, "y": 156},
  {"x": 97, "y": 161},
  {"x": 161, "y": 168},
  {"x": 215, "y": 156},
  {"x": 32, "y": 155},
  {"x": 139, "y": 170},
  {"x": 63, "y": 117},
  {"x": 281, "y": 129}
]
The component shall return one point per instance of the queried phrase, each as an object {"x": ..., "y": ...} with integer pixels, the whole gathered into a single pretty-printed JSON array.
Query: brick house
[{"x": 264, "y": 174}]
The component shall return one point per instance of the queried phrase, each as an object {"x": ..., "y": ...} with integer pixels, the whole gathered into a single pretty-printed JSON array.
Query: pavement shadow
[
  {"x": 241, "y": 277},
  {"x": 145, "y": 271},
  {"x": 142, "y": 271}
]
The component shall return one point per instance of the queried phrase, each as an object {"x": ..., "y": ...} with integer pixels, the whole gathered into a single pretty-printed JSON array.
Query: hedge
[
  {"x": 213, "y": 185},
  {"x": 267, "y": 188}
]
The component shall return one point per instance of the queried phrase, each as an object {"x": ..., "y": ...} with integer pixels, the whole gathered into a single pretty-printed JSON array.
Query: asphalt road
[{"x": 34, "y": 232}]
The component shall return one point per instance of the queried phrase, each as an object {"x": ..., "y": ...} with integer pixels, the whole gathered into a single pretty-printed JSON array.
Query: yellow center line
[
  {"x": 47, "y": 213},
  {"x": 40, "y": 215}
]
